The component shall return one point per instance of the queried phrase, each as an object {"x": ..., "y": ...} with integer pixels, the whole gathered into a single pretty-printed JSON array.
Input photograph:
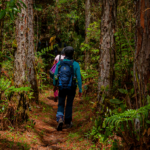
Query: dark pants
[{"x": 70, "y": 94}]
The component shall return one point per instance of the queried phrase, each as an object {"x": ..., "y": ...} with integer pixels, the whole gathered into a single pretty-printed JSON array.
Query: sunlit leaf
[
  {"x": 115, "y": 101},
  {"x": 11, "y": 15},
  {"x": 123, "y": 91}
]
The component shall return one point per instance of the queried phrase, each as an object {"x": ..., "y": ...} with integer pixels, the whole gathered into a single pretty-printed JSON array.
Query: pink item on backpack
[
  {"x": 53, "y": 68},
  {"x": 56, "y": 93}
]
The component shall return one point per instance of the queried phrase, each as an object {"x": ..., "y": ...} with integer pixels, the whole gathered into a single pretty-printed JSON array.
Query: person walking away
[
  {"x": 58, "y": 41},
  {"x": 52, "y": 42},
  {"x": 66, "y": 73},
  {"x": 56, "y": 60}
]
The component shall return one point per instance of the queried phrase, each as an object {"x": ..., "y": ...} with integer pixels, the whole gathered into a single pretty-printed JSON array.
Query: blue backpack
[{"x": 65, "y": 74}]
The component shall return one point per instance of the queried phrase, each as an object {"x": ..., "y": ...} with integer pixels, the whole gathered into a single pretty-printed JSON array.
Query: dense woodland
[{"x": 111, "y": 39}]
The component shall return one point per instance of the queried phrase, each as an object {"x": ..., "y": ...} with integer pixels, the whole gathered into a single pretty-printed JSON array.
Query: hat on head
[{"x": 69, "y": 51}]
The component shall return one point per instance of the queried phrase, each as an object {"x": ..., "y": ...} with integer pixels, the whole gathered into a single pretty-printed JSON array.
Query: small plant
[
  {"x": 11, "y": 144},
  {"x": 42, "y": 132},
  {"x": 131, "y": 122},
  {"x": 11, "y": 128}
]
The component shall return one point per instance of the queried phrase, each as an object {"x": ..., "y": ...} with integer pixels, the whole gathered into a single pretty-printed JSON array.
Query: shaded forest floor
[{"x": 40, "y": 132}]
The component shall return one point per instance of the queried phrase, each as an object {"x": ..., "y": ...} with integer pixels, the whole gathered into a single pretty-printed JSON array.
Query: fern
[
  {"x": 4, "y": 84},
  {"x": 89, "y": 73},
  {"x": 129, "y": 115}
]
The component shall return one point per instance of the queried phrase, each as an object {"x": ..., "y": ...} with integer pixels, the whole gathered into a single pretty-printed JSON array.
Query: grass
[{"x": 13, "y": 145}]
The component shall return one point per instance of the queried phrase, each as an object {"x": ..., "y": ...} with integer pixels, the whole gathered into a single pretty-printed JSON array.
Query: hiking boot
[
  {"x": 60, "y": 124},
  {"x": 68, "y": 126},
  {"x": 55, "y": 99}
]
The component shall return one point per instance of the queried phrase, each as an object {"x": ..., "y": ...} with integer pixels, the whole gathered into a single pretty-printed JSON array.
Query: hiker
[
  {"x": 66, "y": 73},
  {"x": 56, "y": 60},
  {"x": 53, "y": 44},
  {"x": 58, "y": 41}
]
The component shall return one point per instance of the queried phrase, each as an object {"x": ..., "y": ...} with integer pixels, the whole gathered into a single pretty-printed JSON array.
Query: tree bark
[
  {"x": 20, "y": 54},
  {"x": 142, "y": 53},
  {"x": 107, "y": 46},
  {"x": 30, "y": 61},
  {"x": 20, "y": 62},
  {"x": 87, "y": 23}
]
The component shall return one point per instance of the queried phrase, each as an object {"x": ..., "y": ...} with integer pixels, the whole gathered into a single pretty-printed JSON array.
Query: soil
[{"x": 40, "y": 133}]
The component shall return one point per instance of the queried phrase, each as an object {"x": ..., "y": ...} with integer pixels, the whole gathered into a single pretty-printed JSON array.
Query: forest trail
[{"x": 41, "y": 133}]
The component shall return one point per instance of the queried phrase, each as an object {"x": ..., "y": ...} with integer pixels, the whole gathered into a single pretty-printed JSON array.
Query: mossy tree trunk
[
  {"x": 30, "y": 60},
  {"x": 107, "y": 47},
  {"x": 142, "y": 53},
  {"x": 20, "y": 56}
]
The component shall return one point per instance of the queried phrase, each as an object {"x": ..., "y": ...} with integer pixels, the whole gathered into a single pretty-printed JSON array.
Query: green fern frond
[{"x": 129, "y": 115}]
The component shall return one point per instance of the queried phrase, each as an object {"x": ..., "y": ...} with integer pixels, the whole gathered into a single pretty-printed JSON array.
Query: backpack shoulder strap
[
  {"x": 60, "y": 64},
  {"x": 72, "y": 61}
]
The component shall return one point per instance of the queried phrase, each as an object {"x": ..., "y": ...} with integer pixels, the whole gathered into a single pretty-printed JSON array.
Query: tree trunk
[
  {"x": 37, "y": 31},
  {"x": 30, "y": 52},
  {"x": 20, "y": 61},
  {"x": 142, "y": 53},
  {"x": 20, "y": 54},
  {"x": 1, "y": 41},
  {"x": 87, "y": 23},
  {"x": 107, "y": 46},
  {"x": 56, "y": 19}
]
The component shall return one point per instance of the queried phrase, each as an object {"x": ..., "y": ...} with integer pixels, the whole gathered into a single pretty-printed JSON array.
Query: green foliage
[
  {"x": 2, "y": 13},
  {"x": 95, "y": 132},
  {"x": 115, "y": 101},
  {"x": 125, "y": 121},
  {"x": 93, "y": 36},
  {"x": 89, "y": 74},
  {"x": 12, "y": 8},
  {"x": 45, "y": 51},
  {"x": 43, "y": 82},
  {"x": 4, "y": 84},
  {"x": 98, "y": 134},
  {"x": 7, "y": 88},
  {"x": 123, "y": 91},
  {"x": 129, "y": 115}
]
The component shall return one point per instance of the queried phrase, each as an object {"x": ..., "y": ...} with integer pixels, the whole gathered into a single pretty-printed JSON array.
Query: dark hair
[
  {"x": 65, "y": 45},
  {"x": 69, "y": 51},
  {"x": 57, "y": 39}
]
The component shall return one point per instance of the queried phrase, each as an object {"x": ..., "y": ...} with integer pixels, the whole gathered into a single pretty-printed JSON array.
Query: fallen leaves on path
[{"x": 41, "y": 134}]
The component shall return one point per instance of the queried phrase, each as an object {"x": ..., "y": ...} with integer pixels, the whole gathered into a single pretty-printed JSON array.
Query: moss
[{"x": 14, "y": 44}]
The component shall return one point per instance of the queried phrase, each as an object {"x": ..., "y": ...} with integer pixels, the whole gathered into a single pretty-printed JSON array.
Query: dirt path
[{"x": 41, "y": 134}]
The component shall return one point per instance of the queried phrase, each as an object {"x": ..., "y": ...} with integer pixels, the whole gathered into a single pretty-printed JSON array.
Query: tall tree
[
  {"x": 24, "y": 55},
  {"x": 87, "y": 23},
  {"x": 142, "y": 52},
  {"x": 30, "y": 52},
  {"x": 20, "y": 59},
  {"x": 20, "y": 54},
  {"x": 107, "y": 45}
]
